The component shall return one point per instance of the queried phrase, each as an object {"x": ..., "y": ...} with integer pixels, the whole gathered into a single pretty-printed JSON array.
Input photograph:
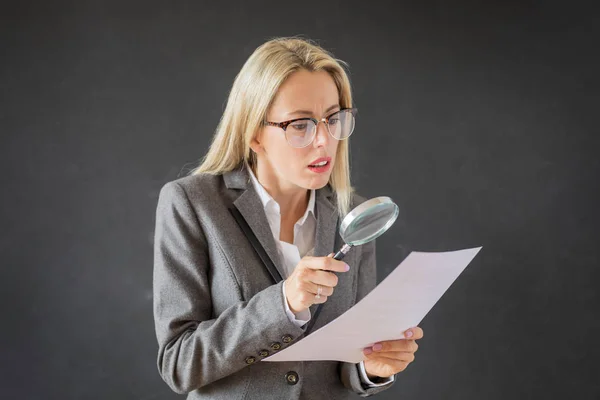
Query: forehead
[{"x": 304, "y": 90}]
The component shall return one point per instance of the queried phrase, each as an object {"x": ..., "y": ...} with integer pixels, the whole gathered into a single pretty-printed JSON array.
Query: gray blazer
[{"x": 218, "y": 311}]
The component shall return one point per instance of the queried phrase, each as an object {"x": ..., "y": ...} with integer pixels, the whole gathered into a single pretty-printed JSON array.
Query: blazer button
[
  {"x": 292, "y": 378},
  {"x": 263, "y": 353},
  {"x": 286, "y": 339},
  {"x": 250, "y": 360},
  {"x": 275, "y": 346}
]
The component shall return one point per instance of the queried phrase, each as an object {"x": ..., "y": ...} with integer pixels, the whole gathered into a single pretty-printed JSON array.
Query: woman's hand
[
  {"x": 301, "y": 287},
  {"x": 389, "y": 357}
]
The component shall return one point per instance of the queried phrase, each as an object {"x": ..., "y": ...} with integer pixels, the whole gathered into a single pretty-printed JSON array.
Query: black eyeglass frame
[{"x": 284, "y": 124}]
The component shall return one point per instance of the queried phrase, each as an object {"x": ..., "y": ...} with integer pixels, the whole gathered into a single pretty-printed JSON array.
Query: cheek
[
  {"x": 287, "y": 158},
  {"x": 278, "y": 149}
]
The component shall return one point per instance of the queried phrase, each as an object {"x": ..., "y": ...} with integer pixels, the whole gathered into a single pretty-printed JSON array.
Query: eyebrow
[{"x": 310, "y": 112}]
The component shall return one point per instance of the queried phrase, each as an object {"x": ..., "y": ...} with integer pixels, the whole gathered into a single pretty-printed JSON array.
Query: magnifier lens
[{"x": 371, "y": 223}]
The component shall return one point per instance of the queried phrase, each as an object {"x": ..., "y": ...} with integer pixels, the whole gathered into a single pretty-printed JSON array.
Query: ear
[{"x": 255, "y": 143}]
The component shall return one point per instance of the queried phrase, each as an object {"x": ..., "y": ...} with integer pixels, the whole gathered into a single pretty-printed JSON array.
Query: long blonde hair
[{"x": 251, "y": 96}]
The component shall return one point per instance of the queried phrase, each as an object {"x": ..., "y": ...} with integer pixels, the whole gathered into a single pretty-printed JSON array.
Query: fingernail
[
  {"x": 378, "y": 347},
  {"x": 367, "y": 350},
  {"x": 347, "y": 268},
  {"x": 408, "y": 333}
]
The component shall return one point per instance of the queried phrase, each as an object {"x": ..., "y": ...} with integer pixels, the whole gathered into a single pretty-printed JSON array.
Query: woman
[{"x": 243, "y": 245}]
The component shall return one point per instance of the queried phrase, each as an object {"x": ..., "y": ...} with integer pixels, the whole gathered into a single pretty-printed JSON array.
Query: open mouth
[
  {"x": 320, "y": 162},
  {"x": 320, "y": 165}
]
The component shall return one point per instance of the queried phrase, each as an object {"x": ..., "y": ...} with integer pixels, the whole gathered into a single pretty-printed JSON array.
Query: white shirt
[{"x": 291, "y": 253}]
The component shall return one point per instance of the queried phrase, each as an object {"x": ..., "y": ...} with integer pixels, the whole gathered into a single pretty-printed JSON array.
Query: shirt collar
[{"x": 266, "y": 198}]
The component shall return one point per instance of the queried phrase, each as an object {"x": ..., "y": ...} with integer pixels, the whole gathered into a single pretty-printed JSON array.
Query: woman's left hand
[{"x": 389, "y": 357}]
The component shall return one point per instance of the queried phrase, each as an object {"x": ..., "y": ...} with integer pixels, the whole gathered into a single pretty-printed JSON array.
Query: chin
[{"x": 319, "y": 183}]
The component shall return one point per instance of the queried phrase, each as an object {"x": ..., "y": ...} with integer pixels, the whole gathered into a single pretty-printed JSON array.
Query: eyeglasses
[{"x": 301, "y": 132}]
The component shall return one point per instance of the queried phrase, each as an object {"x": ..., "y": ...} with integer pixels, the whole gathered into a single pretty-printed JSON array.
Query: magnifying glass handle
[{"x": 340, "y": 254}]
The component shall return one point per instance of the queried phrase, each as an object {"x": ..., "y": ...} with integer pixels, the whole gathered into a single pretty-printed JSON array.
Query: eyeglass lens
[{"x": 301, "y": 133}]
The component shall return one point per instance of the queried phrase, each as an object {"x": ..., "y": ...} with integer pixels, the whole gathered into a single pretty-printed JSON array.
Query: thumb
[{"x": 330, "y": 255}]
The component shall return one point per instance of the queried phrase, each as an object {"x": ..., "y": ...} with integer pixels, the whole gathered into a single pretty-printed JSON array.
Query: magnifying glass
[{"x": 366, "y": 222}]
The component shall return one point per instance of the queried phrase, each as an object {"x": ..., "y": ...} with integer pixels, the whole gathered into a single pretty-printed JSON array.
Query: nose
[{"x": 322, "y": 136}]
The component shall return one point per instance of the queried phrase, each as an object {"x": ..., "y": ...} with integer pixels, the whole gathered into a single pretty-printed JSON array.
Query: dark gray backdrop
[{"x": 480, "y": 120}]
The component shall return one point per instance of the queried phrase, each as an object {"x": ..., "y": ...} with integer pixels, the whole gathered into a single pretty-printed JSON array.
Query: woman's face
[{"x": 303, "y": 94}]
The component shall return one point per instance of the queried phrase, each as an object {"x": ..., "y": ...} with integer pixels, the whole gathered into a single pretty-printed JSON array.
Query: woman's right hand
[{"x": 301, "y": 286}]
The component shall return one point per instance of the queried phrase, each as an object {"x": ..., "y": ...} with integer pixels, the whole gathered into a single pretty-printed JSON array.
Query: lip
[{"x": 318, "y": 160}]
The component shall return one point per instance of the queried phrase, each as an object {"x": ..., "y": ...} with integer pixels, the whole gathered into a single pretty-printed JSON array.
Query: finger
[
  {"x": 395, "y": 345},
  {"x": 312, "y": 288},
  {"x": 395, "y": 365},
  {"x": 394, "y": 355},
  {"x": 320, "y": 300},
  {"x": 326, "y": 263},
  {"x": 323, "y": 278},
  {"x": 414, "y": 333},
  {"x": 325, "y": 290},
  {"x": 308, "y": 299},
  {"x": 307, "y": 278}
]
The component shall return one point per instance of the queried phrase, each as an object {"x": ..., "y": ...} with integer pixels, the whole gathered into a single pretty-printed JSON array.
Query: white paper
[{"x": 399, "y": 302}]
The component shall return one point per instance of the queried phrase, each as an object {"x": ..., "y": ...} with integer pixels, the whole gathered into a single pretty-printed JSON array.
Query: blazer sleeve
[
  {"x": 367, "y": 280},
  {"x": 195, "y": 348}
]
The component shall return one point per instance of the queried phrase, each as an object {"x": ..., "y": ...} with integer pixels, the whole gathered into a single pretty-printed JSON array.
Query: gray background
[{"x": 479, "y": 120}]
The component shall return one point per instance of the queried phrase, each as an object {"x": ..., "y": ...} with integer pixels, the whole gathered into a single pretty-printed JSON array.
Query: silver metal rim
[{"x": 351, "y": 216}]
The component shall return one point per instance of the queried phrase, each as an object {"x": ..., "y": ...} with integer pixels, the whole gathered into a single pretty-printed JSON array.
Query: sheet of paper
[{"x": 399, "y": 302}]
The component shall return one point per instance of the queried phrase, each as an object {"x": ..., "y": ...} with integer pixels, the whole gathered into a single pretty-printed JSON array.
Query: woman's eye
[
  {"x": 299, "y": 127},
  {"x": 334, "y": 121}
]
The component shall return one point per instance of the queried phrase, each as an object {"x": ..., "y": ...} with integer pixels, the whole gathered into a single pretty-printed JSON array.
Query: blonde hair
[{"x": 251, "y": 96}]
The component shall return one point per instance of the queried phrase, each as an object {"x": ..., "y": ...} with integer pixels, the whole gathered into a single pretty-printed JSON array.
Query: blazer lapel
[
  {"x": 251, "y": 208},
  {"x": 249, "y": 205},
  {"x": 327, "y": 220}
]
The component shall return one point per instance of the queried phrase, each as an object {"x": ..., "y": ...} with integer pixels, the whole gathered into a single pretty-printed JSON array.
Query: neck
[{"x": 292, "y": 199}]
